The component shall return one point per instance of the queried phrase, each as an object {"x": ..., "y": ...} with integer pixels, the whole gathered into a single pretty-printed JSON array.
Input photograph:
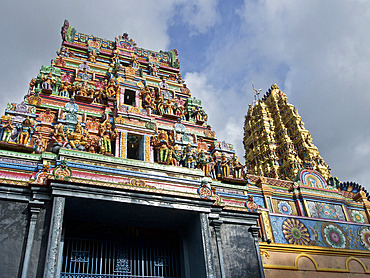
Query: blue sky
[{"x": 316, "y": 51}]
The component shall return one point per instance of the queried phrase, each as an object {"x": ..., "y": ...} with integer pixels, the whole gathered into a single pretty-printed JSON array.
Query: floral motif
[
  {"x": 204, "y": 191},
  {"x": 364, "y": 233},
  {"x": 295, "y": 232},
  {"x": 357, "y": 216},
  {"x": 285, "y": 208},
  {"x": 334, "y": 236}
]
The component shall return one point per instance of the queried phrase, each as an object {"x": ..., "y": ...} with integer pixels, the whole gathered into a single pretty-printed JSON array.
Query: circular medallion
[
  {"x": 334, "y": 236},
  {"x": 357, "y": 216},
  {"x": 364, "y": 233},
  {"x": 295, "y": 232},
  {"x": 285, "y": 208}
]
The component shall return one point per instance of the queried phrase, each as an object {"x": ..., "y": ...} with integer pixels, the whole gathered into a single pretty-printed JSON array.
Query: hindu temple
[{"x": 109, "y": 168}]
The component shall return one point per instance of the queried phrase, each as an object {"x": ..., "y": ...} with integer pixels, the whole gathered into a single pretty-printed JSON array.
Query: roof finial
[{"x": 256, "y": 94}]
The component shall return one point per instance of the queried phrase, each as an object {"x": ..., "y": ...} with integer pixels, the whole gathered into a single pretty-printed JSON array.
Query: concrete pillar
[
  {"x": 254, "y": 231},
  {"x": 206, "y": 236},
  {"x": 35, "y": 208},
  {"x": 217, "y": 226},
  {"x": 52, "y": 262}
]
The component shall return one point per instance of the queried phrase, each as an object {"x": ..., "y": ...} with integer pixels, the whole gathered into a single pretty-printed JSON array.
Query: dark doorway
[{"x": 130, "y": 97}]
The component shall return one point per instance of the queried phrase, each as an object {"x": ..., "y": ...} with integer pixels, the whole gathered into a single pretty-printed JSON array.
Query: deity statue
[
  {"x": 60, "y": 139},
  {"x": 8, "y": 130},
  {"x": 39, "y": 144},
  {"x": 47, "y": 82},
  {"x": 168, "y": 107},
  {"x": 153, "y": 70},
  {"x": 107, "y": 134},
  {"x": 100, "y": 96},
  {"x": 160, "y": 105},
  {"x": 112, "y": 88},
  {"x": 176, "y": 155},
  {"x": 225, "y": 166},
  {"x": 199, "y": 114},
  {"x": 237, "y": 167},
  {"x": 115, "y": 58},
  {"x": 180, "y": 111},
  {"x": 32, "y": 85},
  {"x": 26, "y": 131},
  {"x": 92, "y": 145},
  {"x": 189, "y": 157},
  {"x": 63, "y": 52},
  {"x": 162, "y": 145},
  {"x": 75, "y": 138},
  {"x": 203, "y": 162},
  {"x": 147, "y": 96},
  {"x": 65, "y": 88},
  {"x": 92, "y": 56},
  {"x": 212, "y": 171}
]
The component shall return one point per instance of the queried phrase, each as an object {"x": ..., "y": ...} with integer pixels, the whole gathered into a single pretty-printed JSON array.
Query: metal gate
[{"x": 131, "y": 258}]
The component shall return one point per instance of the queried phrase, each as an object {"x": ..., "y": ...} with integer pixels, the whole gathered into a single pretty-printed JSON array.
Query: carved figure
[
  {"x": 168, "y": 107},
  {"x": 92, "y": 56},
  {"x": 162, "y": 145},
  {"x": 153, "y": 70},
  {"x": 113, "y": 88},
  {"x": 26, "y": 131},
  {"x": 225, "y": 168},
  {"x": 189, "y": 157},
  {"x": 75, "y": 138},
  {"x": 237, "y": 167},
  {"x": 39, "y": 144},
  {"x": 203, "y": 162},
  {"x": 65, "y": 88},
  {"x": 8, "y": 130},
  {"x": 148, "y": 96},
  {"x": 32, "y": 85},
  {"x": 47, "y": 82},
  {"x": 107, "y": 134},
  {"x": 160, "y": 105}
]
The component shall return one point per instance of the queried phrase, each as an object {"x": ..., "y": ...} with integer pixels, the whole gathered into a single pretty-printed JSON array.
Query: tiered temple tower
[{"x": 276, "y": 141}]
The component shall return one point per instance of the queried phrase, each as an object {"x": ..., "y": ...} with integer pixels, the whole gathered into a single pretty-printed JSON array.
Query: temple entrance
[
  {"x": 124, "y": 251},
  {"x": 124, "y": 240}
]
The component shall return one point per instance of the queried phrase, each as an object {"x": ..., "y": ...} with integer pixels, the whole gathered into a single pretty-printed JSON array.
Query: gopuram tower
[{"x": 276, "y": 142}]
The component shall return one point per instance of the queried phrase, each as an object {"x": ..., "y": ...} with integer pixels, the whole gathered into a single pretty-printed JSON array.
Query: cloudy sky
[{"x": 318, "y": 52}]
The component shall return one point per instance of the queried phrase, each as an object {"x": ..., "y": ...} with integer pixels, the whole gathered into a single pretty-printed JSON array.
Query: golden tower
[{"x": 275, "y": 140}]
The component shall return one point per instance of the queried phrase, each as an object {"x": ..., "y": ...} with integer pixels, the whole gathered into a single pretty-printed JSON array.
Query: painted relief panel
[
  {"x": 326, "y": 211},
  {"x": 298, "y": 231},
  {"x": 285, "y": 207},
  {"x": 358, "y": 216}
]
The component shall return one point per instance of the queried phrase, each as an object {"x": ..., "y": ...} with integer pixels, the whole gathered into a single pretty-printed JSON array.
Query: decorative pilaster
[
  {"x": 123, "y": 142},
  {"x": 207, "y": 245},
  {"x": 35, "y": 208},
  {"x": 51, "y": 264},
  {"x": 217, "y": 225},
  {"x": 254, "y": 231}
]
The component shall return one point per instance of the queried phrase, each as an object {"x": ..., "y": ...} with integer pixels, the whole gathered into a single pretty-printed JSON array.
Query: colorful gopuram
[
  {"x": 276, "y": 142},
  {"x": 108, "y": 168}
]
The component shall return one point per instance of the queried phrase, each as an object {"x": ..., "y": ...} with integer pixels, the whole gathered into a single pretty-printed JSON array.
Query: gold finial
[{"x": 256, "y": 94}]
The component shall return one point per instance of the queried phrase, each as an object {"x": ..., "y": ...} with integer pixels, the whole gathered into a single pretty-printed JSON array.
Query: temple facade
[
  {"x": 312, "y": 224},
  {"x": 108, "y": 168}
]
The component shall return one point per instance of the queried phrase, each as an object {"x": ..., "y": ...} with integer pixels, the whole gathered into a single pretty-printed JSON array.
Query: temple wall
[
  {"x": 281, "y": 261},
  {"x": 14, "y": 218}
]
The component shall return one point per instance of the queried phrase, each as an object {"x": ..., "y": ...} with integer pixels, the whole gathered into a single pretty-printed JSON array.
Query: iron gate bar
[{"x": 133, "y": 258}]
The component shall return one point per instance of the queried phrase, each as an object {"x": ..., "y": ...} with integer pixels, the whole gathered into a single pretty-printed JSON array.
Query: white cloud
[
  {"x": 200, "y": 14},
  {"x": 317, "y": 52}
]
